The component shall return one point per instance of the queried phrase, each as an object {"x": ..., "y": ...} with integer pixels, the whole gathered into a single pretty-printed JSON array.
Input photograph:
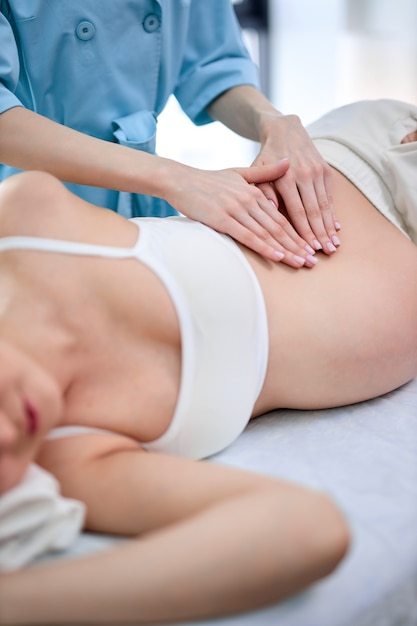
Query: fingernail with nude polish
[
  {"x": 310, "y": 249},
  {"x": 337, "y": 225},
  {"x": 299, "y": 260},
  {"x": 330, "y": 247},
  {"x": 336, "y": 240},
  {"x": 279, "y": 255},
  {"x": 311, "y": 259},
  {"x": 317, "y": 244}
]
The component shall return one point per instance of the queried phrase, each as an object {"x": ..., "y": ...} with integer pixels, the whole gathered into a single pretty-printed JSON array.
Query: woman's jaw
[{"x": 30, "y": 406}]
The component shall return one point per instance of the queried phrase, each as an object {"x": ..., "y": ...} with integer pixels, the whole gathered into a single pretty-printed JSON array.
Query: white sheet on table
[{"x": 365, "y": 456}]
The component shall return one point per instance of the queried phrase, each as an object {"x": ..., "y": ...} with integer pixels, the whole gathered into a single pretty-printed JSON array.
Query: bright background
[{"x": 321, "y": 54}]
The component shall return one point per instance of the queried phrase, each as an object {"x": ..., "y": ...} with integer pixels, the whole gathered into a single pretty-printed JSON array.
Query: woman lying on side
[{"x": 140, "y": 343}]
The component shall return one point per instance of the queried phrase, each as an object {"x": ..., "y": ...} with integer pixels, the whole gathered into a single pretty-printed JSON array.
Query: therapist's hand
[
  {"x": 306, "y": 188},
  {"x": 230, "y": 202}
]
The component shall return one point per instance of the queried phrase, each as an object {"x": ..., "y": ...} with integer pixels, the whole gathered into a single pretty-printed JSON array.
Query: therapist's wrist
[
  {"x": 171, "y": 176},
  {"x": 273, "y": 123},
  {"x": 140, "y": 172}
]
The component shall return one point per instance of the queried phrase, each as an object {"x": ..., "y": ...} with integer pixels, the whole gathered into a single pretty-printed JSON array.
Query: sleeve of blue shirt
[
  {"x": 215, "y": 58},
  {"x": 9, "y": 66},
  {"x": 209, "y": 50}
]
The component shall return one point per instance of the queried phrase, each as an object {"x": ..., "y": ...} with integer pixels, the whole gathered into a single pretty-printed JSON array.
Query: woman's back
[{"x": 340, "y": 333}]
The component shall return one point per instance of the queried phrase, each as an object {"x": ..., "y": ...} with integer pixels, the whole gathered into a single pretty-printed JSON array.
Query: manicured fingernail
[
  {"x": 310, "y": 249},
  {"x": 337, "y": 225},
  {"x": 336, "y": 240},
  {"x": 299, "y": 260},
  {"x": 279, "y": 255},
  {"x": 311, "y": 259},
  {"x": 317, "y": 244},
  {"x": 274, "y": 204},
  {"x": 330, "y": 247}
]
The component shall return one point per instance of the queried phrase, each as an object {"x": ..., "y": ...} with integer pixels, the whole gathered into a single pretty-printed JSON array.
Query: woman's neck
[{"x": 39, "y": 326}]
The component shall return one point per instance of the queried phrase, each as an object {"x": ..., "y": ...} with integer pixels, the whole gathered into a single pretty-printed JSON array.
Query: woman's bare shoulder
[
  {"x": 29, "y": 201},
  {"x": 37, "y": 204}
]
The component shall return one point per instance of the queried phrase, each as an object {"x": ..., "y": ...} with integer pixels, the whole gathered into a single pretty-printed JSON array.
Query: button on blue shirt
[
  {"x": 85, "y": 30},
  {"x": 151, "y": 23},
  {"x": 108, "y": 68}
]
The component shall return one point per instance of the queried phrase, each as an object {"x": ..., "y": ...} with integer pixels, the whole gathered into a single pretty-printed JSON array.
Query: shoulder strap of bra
[
  {"x": 65, "y": 247},
  {"x": 71, "y": 431}
]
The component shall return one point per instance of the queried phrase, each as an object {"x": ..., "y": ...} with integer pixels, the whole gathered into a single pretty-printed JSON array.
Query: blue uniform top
[{"x": 107, "y": 69}]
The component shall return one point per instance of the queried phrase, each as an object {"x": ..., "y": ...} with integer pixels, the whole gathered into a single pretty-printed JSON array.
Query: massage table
[{"x": 365, "y": 457}]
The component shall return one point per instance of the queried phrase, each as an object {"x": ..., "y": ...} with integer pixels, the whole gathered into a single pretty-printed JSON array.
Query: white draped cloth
[{"x": 36, "y": 519}]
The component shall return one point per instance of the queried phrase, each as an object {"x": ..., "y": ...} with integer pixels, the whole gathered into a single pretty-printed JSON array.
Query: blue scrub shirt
[{"x": 107, "y": 69}]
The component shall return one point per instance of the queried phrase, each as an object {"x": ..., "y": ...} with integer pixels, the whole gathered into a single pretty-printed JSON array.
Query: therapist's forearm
[
  {"x": 246, "y": 111},
  {"x": 29, "y": 141}
]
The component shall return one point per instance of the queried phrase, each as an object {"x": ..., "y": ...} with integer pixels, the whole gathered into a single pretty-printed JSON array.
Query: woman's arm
[
  {"x": 212, "y": 541},
  {"x": 225, "y": 200}
]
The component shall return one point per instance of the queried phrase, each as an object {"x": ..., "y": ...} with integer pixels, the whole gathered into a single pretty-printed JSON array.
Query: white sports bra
[{"x": 223, "y": 325}]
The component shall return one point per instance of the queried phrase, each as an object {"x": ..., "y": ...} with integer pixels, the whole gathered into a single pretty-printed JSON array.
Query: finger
[
  {"x": 328, "y": 187},
  {"x": 323, "y": 187},
  {"x": 320, "y": 214},
  {"x": 274, "y": 253},
  {"x": 254, "y": 235},
  {"x": 270, "y": 194},
  {"x": 304, "y": 209},
  {"x": 257, "y": 174},
  {"x": 296, "y": 211},
  {"x": 279, "y": 228},
  {"x": 325, "y": 205},
  {"x": 316, "y": 222}
]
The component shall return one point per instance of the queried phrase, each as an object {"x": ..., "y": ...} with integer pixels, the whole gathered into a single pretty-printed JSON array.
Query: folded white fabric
[{"x": 36, "y": 519}]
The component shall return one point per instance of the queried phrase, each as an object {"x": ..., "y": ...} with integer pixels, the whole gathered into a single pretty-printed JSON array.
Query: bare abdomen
[{"x": 346, "y": 330}]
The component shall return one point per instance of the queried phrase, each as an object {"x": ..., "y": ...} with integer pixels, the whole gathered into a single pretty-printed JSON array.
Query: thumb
[{"x": 257, "y": 174}]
